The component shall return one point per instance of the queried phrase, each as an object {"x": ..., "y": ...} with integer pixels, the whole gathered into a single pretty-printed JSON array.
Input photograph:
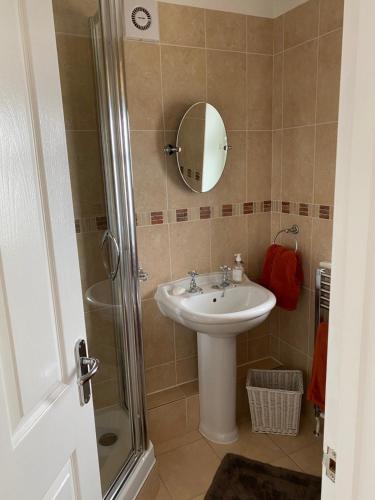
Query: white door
[
  {"x": 350, "y": 404},
  {"x": 47, "y": 439}
]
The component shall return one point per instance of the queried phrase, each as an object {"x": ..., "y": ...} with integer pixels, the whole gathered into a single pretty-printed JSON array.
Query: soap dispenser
[{"x": 237, "y": 273}]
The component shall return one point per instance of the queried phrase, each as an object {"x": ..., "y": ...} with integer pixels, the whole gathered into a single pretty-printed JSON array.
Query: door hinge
[{"x": 329, "y": 462}]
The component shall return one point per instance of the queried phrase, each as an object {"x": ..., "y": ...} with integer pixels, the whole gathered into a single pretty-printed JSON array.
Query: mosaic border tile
[{"x": 188, "y": 214}]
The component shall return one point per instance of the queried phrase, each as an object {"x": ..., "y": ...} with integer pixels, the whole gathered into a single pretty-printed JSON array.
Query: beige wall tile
[
  {"x": 277, "y": 155},
  {"x": 258, "y": 348},
  {"x": 303, "y": 238},
  {"x": 259, "y": 240},
  {"x": 143, "y": 85},
  {"x": 73, "y": 17},
  {"x": 259, "y": 165},
  {"x": 187, "y": 370},
  {"x": 277, "y": 92},
  {"x": 293, "y": 359},
  {"x": 225, "y": 30},
  {"x": 298, "y": 164},
  {"x": 321, "y": 244},
  {"x": 160, "y": 377},
  {"x": 278, "y": 34},
  {"x": 77, "y": 82},
  {"x": 229, "y": 236},
  {"x": 232, "y": 186},
  {"x": 167, "y": 421},
  {"x": 329, "y": 69},
  {"x": 190, "y": 248},
  {"x": 149, "y": 170},
  {"x": 184, "y": 81},
  {"x": 90, "y": 259},
  {"x": 226, "y": 80},
  {"x": 331, "y": 15},
  {"x": 259, "y": 92},
  {"x": 241, "y": 352},
  {"x": 186, "y": 342},
  {"x": 158, "y": 337},
  {"x": 153, "y": 256},
  {"x": 179, "y": 194},
  {"x": 164, "y": 397},
  {"x": 86, "y": 174},
  {"x": 275, "y": 347},
  {"x": 294, "y": 325},
  {"x": 300, "y": 85},
  {"x": 181, "y": 25},
  {"x": 325, "y": 164},
  {"x": 259, "y": 35},
  {"x": 301, "y": 23},
  {"x": 177, "y": 442},
  {"x": 192, "y": 412}
]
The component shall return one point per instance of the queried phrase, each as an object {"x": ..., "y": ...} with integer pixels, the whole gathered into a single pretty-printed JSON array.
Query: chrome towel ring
[{"x": 293, "y": 229}]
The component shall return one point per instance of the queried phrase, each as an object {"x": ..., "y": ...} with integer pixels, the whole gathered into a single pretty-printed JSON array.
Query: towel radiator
[{"x": 322, "y": 303}]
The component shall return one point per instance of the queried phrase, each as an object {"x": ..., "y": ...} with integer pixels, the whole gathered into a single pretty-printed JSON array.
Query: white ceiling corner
[{"x": 261, "y": 8}]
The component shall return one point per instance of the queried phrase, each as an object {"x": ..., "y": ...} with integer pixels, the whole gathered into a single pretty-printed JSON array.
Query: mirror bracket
[{"x": 170, "y": 149}]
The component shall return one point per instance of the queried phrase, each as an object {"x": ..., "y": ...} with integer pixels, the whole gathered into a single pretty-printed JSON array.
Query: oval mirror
[{"x": 202, "y": 147}]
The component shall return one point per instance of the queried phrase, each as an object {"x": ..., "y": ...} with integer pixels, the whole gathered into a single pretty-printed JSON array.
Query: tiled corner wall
[
  {"x": 275, "y": 83},
  {"x": 79, "y": 102},
  {"x": 227, "y": 60},
  {"x": 306, "y": 77}
]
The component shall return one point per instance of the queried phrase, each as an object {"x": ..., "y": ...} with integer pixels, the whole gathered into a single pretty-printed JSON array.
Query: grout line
[{"x": 308, "y": 41}]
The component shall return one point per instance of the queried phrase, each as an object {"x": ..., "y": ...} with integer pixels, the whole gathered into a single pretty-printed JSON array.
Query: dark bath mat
[{"x": 239, "y": 478}]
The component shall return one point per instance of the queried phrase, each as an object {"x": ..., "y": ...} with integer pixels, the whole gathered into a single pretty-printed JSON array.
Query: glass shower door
[
  {"x": 119, "y": 254},
  {"x": 93, "y": 91}
]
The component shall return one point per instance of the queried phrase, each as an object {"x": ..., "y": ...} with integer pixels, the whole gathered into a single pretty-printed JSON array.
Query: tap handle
[
  {"x": 225, "y": 268},
  {"x": 193, "y": 274}
]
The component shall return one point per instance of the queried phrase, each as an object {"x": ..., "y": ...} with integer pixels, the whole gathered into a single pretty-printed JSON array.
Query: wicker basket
[{"x": 275, "y": 400}]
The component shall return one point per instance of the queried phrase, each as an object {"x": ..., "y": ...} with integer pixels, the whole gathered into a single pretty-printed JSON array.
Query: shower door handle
[
  {"x": 86, "y": 369},
  {"x": 109, "y": 237}
]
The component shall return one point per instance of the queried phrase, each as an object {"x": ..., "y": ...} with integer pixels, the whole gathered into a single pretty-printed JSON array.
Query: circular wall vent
[{"x": 141, "y": 18}]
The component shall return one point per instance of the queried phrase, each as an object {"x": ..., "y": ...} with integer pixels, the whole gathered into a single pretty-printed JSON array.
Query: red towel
[
  {"x": 316, "y": 391},
  {"x": 282, "y": 274}
]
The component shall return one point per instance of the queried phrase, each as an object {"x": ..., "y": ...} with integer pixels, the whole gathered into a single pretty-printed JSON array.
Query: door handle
[
  {"x": 93, "y": 366},
  {"x": 108, "y": 236},
  {"x": 86, "y": 369}
]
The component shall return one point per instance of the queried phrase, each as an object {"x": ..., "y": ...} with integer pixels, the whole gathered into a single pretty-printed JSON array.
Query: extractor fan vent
[
  {"x": 141, "y": 18},
  {"x": 142, "y": 21}
]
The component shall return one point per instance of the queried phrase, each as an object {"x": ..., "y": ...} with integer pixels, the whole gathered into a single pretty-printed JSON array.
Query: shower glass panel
[{"x": 90, "y": 51}]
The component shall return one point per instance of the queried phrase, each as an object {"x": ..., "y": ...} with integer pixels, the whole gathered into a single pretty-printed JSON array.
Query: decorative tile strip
[
  {"x": 303, "y": 209},
  {"x": 205, "y": 212},
  {"x": 248, "y": 207},
  {"x": 267, "y": 205},
  {"x": 324, "y": 211},
  {"x": 101, "y": 223},
  {"x": 285, "y": 207},
  {"x": 181, "y": 214},
  {"x": 157, "y": 218},
  {"x": 227, "y": 210}
]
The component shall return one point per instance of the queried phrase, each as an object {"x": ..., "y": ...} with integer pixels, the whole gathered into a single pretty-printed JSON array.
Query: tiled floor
[{"x": 187, "y": 465}]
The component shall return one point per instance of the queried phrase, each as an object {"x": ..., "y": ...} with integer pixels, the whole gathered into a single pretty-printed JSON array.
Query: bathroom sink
[
  {"x": 217, "y": 315},
  {"x": 227, "y": 312},
  {"x": 100, "y": 296}
]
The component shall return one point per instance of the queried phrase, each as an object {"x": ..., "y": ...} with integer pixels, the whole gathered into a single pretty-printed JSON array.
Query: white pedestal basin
[{"x": 217, "y": 316}]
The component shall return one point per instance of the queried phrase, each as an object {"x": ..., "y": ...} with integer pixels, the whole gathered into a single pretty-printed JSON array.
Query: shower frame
[{"x": 114, "y": 124}]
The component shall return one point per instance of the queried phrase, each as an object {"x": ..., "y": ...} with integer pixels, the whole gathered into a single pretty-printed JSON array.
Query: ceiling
[{"x": 263, "y": 8}]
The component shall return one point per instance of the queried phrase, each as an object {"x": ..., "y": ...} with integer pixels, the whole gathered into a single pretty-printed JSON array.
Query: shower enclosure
[{"x": 111, "y": 295}]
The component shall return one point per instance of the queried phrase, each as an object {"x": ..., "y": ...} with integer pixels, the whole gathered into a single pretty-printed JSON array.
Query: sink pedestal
[{"x": 217, "y": 387}]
